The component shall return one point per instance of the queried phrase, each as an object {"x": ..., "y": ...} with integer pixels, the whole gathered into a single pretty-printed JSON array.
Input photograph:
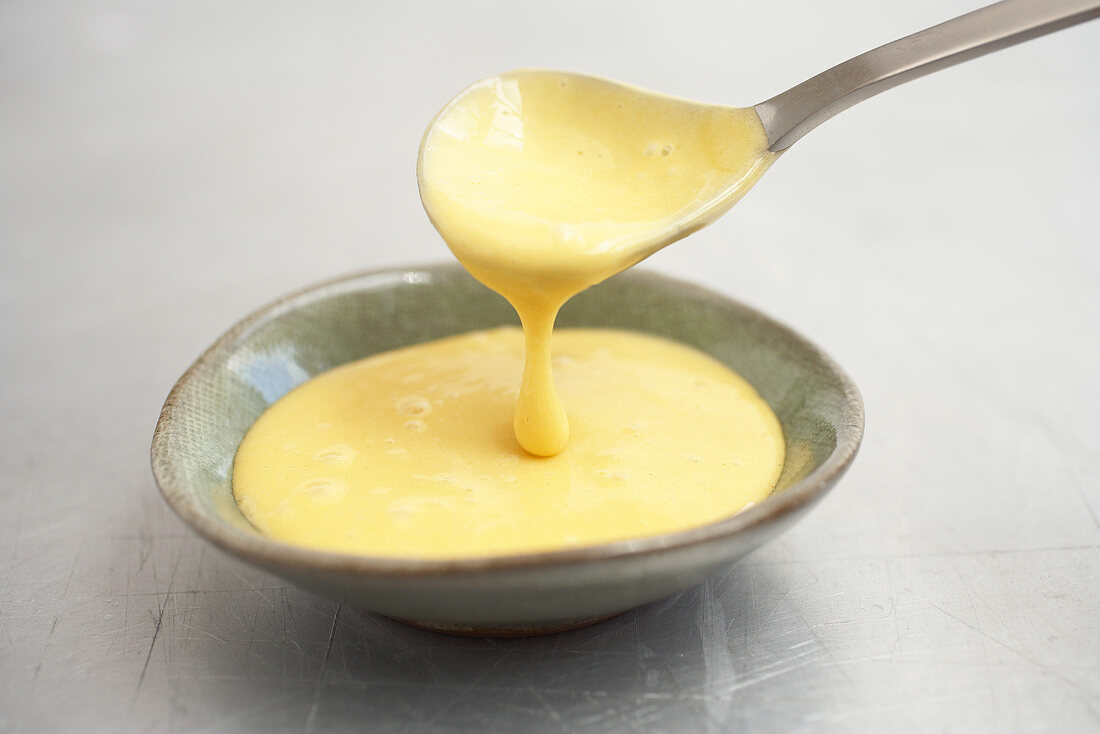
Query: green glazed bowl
[{"x": 284, "y": 344}]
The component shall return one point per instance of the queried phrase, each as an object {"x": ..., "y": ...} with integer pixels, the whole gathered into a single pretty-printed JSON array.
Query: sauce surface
[
  {"x": 410, "y": 453},
  {"x": 544, "y": 183}
]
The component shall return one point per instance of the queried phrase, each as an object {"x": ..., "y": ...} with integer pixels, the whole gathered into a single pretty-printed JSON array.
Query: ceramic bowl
[{"x": 289, "y": 341}]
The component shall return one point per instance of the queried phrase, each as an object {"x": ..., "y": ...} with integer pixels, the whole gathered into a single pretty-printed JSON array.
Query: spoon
[
  {"x": 792, "y": 114},
  {"x": 543, "y": 183}
]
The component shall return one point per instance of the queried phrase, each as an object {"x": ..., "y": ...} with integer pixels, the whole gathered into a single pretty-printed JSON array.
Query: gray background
[{"x": 166, "y": 167}]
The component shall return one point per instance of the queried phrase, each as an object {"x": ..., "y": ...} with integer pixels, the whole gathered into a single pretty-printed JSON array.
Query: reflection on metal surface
[{"x": 779, "y": 642}]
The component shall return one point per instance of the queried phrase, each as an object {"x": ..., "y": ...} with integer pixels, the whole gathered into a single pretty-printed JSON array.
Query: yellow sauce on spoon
[{"x": 544, "y": 183}]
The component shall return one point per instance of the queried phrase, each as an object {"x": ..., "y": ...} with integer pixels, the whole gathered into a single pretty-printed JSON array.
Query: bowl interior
[{"x": 287, "y": 343}]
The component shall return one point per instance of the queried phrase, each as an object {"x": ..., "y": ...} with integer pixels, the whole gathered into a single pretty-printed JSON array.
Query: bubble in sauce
[
  {"x": 413, "y": 405},
  {"x": 416, "y": 425},
  {"x": 337, "y": 454},
  {"x": 323, "y": 490}
]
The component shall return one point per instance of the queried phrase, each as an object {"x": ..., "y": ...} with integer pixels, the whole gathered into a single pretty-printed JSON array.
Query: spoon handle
[{"x": 792, "y": 114}]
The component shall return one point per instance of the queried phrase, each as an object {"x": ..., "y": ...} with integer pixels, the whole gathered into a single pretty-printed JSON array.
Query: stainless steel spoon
[
  {"x": 483, "y": 136},
  {"x": 792, "y": 114}
]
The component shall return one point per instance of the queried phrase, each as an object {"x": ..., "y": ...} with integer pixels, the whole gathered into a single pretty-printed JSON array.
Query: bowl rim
[{"x": 272, "y": 552}]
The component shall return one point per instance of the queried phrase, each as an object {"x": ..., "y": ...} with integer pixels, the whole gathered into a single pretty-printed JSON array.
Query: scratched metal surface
[{"x": 165, "y": 168}]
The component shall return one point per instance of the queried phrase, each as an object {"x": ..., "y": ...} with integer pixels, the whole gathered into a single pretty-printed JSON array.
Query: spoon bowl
[{"x": 564, "y": 179}]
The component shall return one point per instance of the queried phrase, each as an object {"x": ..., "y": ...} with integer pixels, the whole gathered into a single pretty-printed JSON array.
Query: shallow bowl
[{"x": 289, "y": 341}]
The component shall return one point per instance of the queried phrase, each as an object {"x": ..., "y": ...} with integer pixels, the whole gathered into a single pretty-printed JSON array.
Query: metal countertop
[{"x": 165, "y": 169}]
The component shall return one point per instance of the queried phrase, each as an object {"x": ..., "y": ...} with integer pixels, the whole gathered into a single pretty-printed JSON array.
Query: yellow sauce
[
  {"x": 410, "y": 453},
  {"x": 544, "y": 183}
]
